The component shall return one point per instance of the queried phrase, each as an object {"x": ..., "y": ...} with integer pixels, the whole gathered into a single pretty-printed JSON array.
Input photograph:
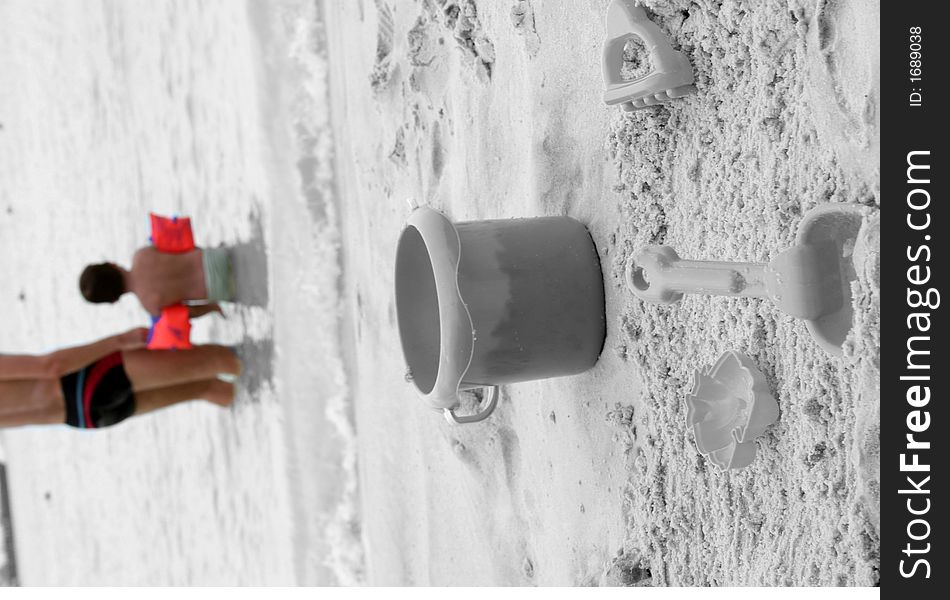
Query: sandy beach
[
  {"x": 302, "y": 135},
  {"x": 493, "y": 110}
]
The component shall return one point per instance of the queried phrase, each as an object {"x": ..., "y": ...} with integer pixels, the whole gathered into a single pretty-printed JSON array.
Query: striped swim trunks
[
  {"x": 219, "y": 276},
  {"x": 98, "y": 395}
]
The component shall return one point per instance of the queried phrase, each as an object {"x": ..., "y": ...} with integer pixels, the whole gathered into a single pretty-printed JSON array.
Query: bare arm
[
  {"x": 67, "y": 360},
  {"x": 200, "y": 310},
  {"x": 20, "y": 366},
  {"x": 72, "y": 359}
]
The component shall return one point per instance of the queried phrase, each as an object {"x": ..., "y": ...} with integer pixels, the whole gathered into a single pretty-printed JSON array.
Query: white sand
[{"x": 499, "y": 114}]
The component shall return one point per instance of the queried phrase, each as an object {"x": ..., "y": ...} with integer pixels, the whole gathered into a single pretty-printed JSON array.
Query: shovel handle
[{"x": 488, "y": 405}]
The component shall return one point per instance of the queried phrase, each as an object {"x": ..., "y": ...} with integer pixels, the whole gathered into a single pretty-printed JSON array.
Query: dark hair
[{"x": 102, "y": 283}]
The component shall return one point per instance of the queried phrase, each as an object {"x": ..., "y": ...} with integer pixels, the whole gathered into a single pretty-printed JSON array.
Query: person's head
[{"x": 104, "y": 282}]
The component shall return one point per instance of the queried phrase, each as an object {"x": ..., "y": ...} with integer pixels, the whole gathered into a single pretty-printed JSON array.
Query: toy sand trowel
[
  {"x": 672, "y": 76},
  {"x": 811, "y": 280}
]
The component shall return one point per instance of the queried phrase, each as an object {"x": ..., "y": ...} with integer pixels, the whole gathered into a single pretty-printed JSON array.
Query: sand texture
[
  {"x": 727, "y": 175},
  {"x": 494, "y": 110}
]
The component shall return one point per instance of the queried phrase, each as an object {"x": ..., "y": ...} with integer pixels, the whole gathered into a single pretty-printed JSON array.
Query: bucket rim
[{"x": 456, "y": 338}]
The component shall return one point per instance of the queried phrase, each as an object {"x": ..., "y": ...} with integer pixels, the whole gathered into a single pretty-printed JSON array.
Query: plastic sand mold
[
  {"x": 672, "y": 75},
  {"x": 730, "y": 405}
]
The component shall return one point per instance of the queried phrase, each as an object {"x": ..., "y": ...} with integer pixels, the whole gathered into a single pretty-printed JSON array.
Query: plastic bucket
[{"x": 486, "y": 303}]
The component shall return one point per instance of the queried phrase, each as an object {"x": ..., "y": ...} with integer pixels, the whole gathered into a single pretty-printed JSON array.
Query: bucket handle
[{"x": 481, "y": 415}]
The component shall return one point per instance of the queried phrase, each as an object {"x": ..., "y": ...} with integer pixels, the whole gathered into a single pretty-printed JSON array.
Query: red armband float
[
  {"x": 173, "y": 234},
  {"x": 172, "y": 329}
]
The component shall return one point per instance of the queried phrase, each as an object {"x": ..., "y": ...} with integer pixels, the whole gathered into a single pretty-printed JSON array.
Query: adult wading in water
[{"x": 105, "y": 382}]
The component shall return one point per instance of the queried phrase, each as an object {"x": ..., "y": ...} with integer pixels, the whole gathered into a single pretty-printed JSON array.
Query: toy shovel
[
  {"x": 810, "y": 281},
  {"x": 672, "y": 76}
]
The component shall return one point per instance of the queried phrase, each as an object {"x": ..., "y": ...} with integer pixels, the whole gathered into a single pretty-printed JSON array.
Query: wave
[{"x": 322, "y": 443}]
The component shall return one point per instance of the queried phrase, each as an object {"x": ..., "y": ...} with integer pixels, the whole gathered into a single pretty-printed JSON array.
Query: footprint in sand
[
  {"x": 460, "y": 17},
  {"x": 627, "y": 570},
  {"x": 423, "y": 48},
  {"x": 844, "y": 78},
  {"x": 438, "y": 153},
  {"x": 385, "y": 34},
  {"x": 398, "y": 154},
  {"x": 522, "y": 18},
  {"x": 844, "y": 34}
]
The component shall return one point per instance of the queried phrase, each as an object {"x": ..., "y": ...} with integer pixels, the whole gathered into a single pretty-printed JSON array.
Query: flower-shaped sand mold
[{"x": 729, "y": 407}]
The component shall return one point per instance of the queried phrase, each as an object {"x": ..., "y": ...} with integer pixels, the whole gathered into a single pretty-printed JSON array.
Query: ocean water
[{"x": 111, "y": 109}]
